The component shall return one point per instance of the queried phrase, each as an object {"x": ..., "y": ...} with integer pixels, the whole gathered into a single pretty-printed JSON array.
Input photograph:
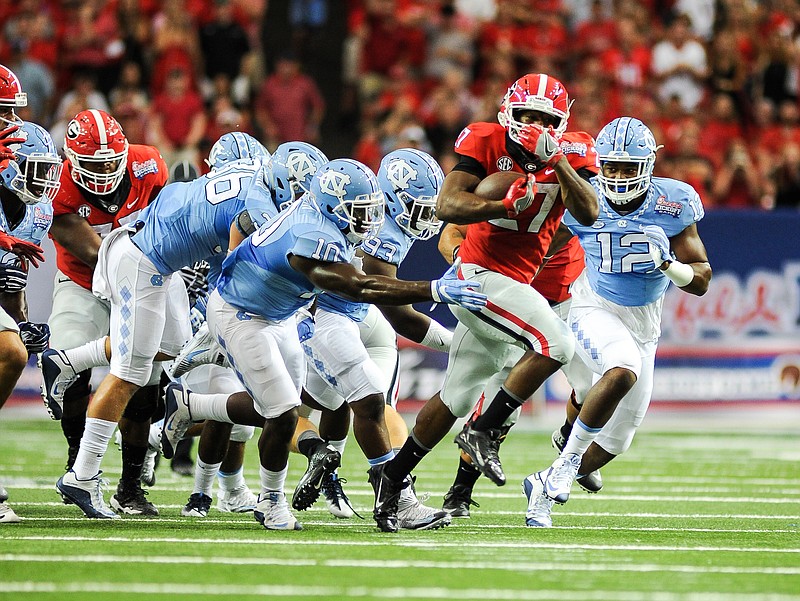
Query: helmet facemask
[
  {"x": 362, "y": 216},
  {"x": 418, "y": 220},
  {"x": 88, "y": 172}
]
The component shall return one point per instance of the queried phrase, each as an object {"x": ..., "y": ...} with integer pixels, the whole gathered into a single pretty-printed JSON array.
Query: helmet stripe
[
  {"x": 621, "y": 133},
  {"x": 101, "y": 128},
  {"x": 542, "y": 85}
]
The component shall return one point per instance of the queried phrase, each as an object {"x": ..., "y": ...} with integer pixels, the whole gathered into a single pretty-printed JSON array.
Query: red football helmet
[
  {"x": 97, "y": 150},
  {"x": 11, "y": 95},
  {"x": 534, "y": 92}
]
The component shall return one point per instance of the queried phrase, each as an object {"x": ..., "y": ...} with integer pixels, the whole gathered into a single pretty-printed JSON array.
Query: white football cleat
[
  {"x": 202, "y": 349},
  {"x": 539, "y": 505},
  {"x": 560, "y": 477},
  {"x": 239, "y": 500},
  {"x": 57, "y": 375},
  {"x": 273, "y": 513},
  {"x": 177, "y": 418}
]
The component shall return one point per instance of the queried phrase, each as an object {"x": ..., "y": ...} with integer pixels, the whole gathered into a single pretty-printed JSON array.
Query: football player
[
  {"x": 644, "y": 238},
  {"x": 105, "y": 184},
  {"x": 504, "y": 248},
  {"x": 265, "y": 281},
  {"x": 190, "y": 222},
  {"x": 352, "y": 355},
  {"x": 29, "y": 174}
]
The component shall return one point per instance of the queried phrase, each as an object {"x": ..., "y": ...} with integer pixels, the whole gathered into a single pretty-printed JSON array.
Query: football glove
[
  {"x": 21, "y": 248},
  {"x": 305, "y": 325},
  {"x": 196, "y": 279},
  {"x": 35, "y": 336},
  {"x": 520, "y": 195},
  {"x": 542, "y": 143},
  {"x": 6, "y": 139},
  {"x": 13, "y": 278},
  {"x": 454, "y": 291},
  {"x": 197, "y": 314},
  {"x": 659, "y": 244}
]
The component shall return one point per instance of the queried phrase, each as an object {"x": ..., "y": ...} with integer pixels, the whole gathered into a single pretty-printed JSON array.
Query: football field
[{"x": 683, "y": 516}]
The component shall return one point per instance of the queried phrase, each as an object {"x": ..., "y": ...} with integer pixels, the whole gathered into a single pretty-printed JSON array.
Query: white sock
[
  {"x": 96, "y": 435},
  {"x": 339, "y": 445},
  {"x": 204, "y": 476},
  {"x": 154, "y": 436},
  {"x": 210, "y": 406},
  {"x": 231, "y": 481},
  {"x": 91, "y": 354},
  {"x": 580, "y": 438},
  {"x": 273, "y": 481}
]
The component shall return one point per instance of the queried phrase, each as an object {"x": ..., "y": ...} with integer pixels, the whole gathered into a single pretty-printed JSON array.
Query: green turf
[{"x": 713, "y": 517}]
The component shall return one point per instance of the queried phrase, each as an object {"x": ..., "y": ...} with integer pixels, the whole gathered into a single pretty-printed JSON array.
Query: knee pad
[
  {"x": 80, "y": 388},
  {"x": 241, "y": 433},
  {"x": 142, "y": 405}
]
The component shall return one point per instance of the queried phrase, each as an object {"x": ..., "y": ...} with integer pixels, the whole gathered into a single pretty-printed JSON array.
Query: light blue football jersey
[
  {"x": 257, "y": 277},
  {"x": 390, "y": 245},
  {"x": 32, "y": 228},
  {"x": 618, "y": 262},
  {"x": 190, "y": 222}
]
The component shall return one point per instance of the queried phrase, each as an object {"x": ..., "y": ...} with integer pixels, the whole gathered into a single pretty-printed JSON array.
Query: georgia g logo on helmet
[
  {"x": 73, "y": 129},
  {"x": 333, "y": 183},
  {"x": 399, "y": 173}
]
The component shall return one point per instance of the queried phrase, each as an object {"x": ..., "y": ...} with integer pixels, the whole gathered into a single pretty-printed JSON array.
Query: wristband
[
  {"x": 455, "y": 252},
  {"x": 680, "y": 273},
  {"x": 437, "y": 337}
]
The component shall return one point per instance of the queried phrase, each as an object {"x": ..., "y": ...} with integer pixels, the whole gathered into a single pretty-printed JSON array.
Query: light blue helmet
[
  {"x": 290, "y": 169},
  {"x": 347, "y": 192},
  {"x": 34, "y": 175},
  {"x": 626, "y": 140},
  {"x": 412, "y": 180},
  {"x": 235, "y": 146}
]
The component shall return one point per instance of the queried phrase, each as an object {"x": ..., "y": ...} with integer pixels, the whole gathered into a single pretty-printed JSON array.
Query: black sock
[
  {"x": 500, "y": 409},
  {"x": 566, "y": 429},
  {"x": 309, "y": 445},
  {"x": 132, "y": 461},
  {"x": 72, "y": 427},
  {"x": 467, "y": 475},
  {"x": 407, "y": 458}
]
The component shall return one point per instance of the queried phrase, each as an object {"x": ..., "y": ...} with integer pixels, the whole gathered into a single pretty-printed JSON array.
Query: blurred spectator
[
  {"x": 778, "y": 73},
  {"x": 722, "y": 126},
  {"x": 449, "y": 46},
  {"x": 289, "y": 105},
  {"x": 597, "y": 33},
  {"x": 307, "y": 18},
  {"x": 785, "y": 178},
  {"x": 679, "y": 65},
  {"x": 35, "y": 24},
  {"x": 178, "y": 119},
  {"x": 688, "y": 160},
  {"x": 224, "y": 117},
  {"x": 130, "y": 103},
  {"x": 93, "y": 41},
  {"x": 223, "y": 42},
  {"x": 702, "y": 15},
  {"x": 36, "y": 80},
  {"x": 737, "y": 182},
  {"x": 728, "y": 70},
  {"x": 628, "y": 60},
  {"x": 176, "y": 44}
]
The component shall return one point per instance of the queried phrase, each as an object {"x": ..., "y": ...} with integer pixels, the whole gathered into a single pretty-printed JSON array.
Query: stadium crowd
[{"x": 716, "y": 80}]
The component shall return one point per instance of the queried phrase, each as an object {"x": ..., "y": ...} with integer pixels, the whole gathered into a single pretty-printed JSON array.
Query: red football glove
[
  {"x": 24, "y": 250},
  {"x": 520, "y": 195},
  {"x": 5, "y": 140},
  {"x": 541, "y": 142}
]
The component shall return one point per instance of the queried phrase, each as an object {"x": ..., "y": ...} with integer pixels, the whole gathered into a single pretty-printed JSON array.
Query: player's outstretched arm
[
  {"x": 450, "y": 240},
  {"x": 577, "y": 193},
  {"x": 346, "y": 280},
  {"x": 690, "y": 269},
  {"x": 75, "y": 234}
]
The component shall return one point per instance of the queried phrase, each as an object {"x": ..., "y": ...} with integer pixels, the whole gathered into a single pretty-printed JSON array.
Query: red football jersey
[
  {"x": 148, "y": 174},
  {"x": 515, "y": 247},
  {"x": 555, "y": 277}
]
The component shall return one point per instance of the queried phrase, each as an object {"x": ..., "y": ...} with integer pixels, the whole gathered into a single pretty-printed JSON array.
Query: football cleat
[
  {"x": 272, "y": 512},
  {"x": 335, "y": 498},
  {"x": 197, "y": 507},
  {"x": 130, "y": 499},
  {"x": 387, "y": 497},
  {"x": 7, "y": 515},
  {"x": 202, "y": 349},
  {"x": 57, "y": 375},
  {"x": 86, "y": 494},
  {"x": 239, "y": 500},
  {"x": 560, "y": 477},
  {"x": 539, "y": 505},
  {"x": 177, "y": 418},
  {"x": 457, "y": 501},
  {"x": 591, "y": 482},
  {"x": 481, "y": 446},
  {"x": 322, "y": 463},
  {"x": 413, "y": 515}
]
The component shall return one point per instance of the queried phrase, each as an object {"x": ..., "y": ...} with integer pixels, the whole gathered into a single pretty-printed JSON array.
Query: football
[{"x": 495, "y": 186}]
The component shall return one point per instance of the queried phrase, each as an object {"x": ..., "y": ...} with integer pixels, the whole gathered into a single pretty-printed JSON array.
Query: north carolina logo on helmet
[
  {"x": 300, "y": 165},
  {"x": 399, "y": 173},
  {"x": 333, "y": 183}
]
